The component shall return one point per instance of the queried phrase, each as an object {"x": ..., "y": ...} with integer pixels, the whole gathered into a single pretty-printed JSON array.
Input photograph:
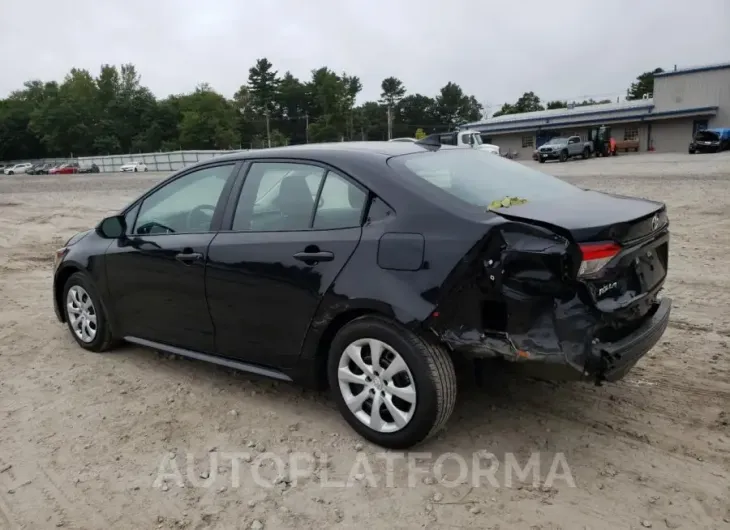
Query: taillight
[{"x": 596, "y": 256}]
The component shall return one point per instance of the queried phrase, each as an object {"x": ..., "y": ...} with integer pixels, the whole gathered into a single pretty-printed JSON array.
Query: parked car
[
  {"x": 133, "y": 166},
  {"x": 17, "y": 169},
  {"x": 370, "y": 266},
  {"x": 65, "y": 169},
  {"x": 2, "y": 168},
  {"x": 562, "y": 148},
  {"x": 710, "y": 141},
  {"x": 39, "y": 169},
  {"x": 88, "y": 168}
]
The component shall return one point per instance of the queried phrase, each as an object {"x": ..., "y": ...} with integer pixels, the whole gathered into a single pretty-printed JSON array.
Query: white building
[{"x": 683, "y": 102}]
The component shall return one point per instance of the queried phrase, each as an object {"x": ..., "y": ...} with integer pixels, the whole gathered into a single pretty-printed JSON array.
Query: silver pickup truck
[{"x": 564, "y": 147}]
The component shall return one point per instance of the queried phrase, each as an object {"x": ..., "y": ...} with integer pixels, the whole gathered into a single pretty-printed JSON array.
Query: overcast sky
[{"x": 496, "y": 50}]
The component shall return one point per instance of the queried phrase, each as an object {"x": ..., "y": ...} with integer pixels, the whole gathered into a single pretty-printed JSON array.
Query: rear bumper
[
  {"x": 607, "y": 361},
  {"x": 617, "y": 358}
]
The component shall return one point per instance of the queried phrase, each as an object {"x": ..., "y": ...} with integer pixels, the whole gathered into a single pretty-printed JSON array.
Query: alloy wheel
[
  {"x": 81, "y": 314},
  {"x": 377, "y": 385}
]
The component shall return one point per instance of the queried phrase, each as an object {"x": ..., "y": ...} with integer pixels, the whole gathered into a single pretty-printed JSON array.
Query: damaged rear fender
[{"x": 518, "y": 299}]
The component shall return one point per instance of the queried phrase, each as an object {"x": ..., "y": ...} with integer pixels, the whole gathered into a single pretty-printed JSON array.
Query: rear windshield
[
  {"x": 478, "y": 177},
  {"x": 707, "y": 136}
]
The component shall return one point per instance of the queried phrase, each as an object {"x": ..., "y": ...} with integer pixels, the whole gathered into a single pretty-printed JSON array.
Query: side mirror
[{"x": 112, "y": 227}]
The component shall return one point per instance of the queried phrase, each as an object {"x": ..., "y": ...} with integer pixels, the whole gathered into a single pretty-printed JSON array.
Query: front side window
[
  {"x": 478, "y": 178},
  {"x": 185, "y": 205}
]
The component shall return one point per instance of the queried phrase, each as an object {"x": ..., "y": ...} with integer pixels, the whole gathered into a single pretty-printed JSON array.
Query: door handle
[
  {"x": 314, "y": 256},
  {"x": 188, "y": 257}
]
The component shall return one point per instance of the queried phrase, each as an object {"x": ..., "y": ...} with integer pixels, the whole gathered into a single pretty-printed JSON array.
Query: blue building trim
[
  {"x": 694, "y": 70},
  {"x": 567, "y": 114},
  {"x": 648, "y": 116}
]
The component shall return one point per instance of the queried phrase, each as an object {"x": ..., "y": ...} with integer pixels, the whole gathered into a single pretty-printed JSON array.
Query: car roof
[{"x": 325, "y": 151}]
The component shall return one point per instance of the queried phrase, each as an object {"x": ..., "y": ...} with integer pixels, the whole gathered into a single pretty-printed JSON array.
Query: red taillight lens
[{"x": 596, "y": 256}]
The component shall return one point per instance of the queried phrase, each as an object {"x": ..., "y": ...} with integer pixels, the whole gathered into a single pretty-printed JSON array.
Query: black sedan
[{"x": 369, "y": 267}]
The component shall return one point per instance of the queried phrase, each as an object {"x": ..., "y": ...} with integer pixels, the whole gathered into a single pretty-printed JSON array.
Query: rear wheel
[
  {"x": 393, "y": 387},
  {"x": 586, "y": 153}
]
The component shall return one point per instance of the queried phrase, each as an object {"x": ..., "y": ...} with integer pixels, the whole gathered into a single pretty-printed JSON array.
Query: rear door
[
  {"x": 156, "y": 275},
  {"x": 291, "y": 228}
]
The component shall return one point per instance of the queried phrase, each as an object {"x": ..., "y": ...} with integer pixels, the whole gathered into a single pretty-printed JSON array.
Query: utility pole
[
  {"x": 390, "y": 123},
  {"x": 268, "y": 131},
  {"x": 306, "y": 127}
]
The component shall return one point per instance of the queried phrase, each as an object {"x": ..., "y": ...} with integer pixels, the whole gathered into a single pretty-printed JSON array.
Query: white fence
[
  {"x": 167, "y": 161},
  {"x": 170, "y": 161}
]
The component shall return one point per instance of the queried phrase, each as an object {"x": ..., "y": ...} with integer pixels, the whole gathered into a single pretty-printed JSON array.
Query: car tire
[
  {"x": 79, "y": 292},
  {"x": 10, "y": 173},
  {"x": 586, "y": 153},
  {"x": 563, "y": 156},
  {"x": 426, "y": 374},
  {"x": 542, "y": 160},
  {"x": 135, "y": 170}
]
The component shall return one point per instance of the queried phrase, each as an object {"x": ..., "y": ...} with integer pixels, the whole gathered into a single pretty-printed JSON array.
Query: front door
[
  {"x": 156, "y": 274},
  {"x": 293, "y": 228}
]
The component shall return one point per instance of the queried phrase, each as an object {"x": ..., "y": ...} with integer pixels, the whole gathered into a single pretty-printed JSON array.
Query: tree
[
  {"x": 113, "y": 112},
  {"x": 392, "y": 92},
  {"x": 263, "y": 85},
  {"x": 556, "y": 105},
  {"x": 420, "y": 134},
  {"x": 644, "y": 85},
  {"x": 453, "y": 107},
  {"x": 528, "y": 102}
]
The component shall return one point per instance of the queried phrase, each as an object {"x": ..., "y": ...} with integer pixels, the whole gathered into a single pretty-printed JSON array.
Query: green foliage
[
  {"x": 644, "y": 85},
  {"x": 112, "y": 112},
  {"x": 420, "y": 134},
  {"x": 506, "y": 203}
]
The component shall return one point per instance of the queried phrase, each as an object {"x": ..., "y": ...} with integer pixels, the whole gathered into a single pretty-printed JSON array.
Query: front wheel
[
  {"x": 542, "y": 160},
  {"x": 135, "y": 170},
  {"x": 85, "y": 315},
  {"x": 10, "y": 173},
  {"x": 563, "y": 156},
  {"x": 395, "y": 388}
]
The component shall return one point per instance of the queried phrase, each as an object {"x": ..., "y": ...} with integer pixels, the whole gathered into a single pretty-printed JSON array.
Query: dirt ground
[{"x": 83, "y": 436}]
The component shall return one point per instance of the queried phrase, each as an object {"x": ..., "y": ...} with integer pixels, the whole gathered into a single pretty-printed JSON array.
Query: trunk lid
[
  {"x": 627, "y": 285},
  {"x": 592, "y": 216}
]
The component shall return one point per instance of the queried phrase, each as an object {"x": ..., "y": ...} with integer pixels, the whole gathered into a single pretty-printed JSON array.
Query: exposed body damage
[{"x": 523, "y": 303}]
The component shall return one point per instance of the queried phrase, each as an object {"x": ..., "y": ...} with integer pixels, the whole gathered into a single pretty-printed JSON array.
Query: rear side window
[
  {"x": 340, "y": 204},
  {"x": 278, "y": 196},
  {"x": 477, "y": 177},
  {"x": 283, "y": 196}
]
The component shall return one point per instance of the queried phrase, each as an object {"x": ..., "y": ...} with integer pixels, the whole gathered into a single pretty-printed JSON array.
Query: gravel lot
[{"x": 83, "y": 436}]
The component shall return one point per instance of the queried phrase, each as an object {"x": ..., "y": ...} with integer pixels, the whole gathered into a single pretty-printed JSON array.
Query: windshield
[
  {"x": 478, "y": 177},
  {"x": 477, "y": 139},
  {"x": 558, "y": 140}
]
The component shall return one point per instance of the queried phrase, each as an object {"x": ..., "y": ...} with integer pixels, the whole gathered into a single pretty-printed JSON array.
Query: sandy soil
[{"x": 83, "y": 436}]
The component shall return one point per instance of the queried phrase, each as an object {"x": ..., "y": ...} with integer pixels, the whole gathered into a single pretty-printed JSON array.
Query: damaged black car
[{"x": 369, "y": 268}]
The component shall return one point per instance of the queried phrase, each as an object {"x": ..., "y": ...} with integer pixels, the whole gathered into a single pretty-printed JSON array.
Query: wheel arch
[
  {"x": 62, "y": 275},
  {"x": 312, "y": 365}
]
